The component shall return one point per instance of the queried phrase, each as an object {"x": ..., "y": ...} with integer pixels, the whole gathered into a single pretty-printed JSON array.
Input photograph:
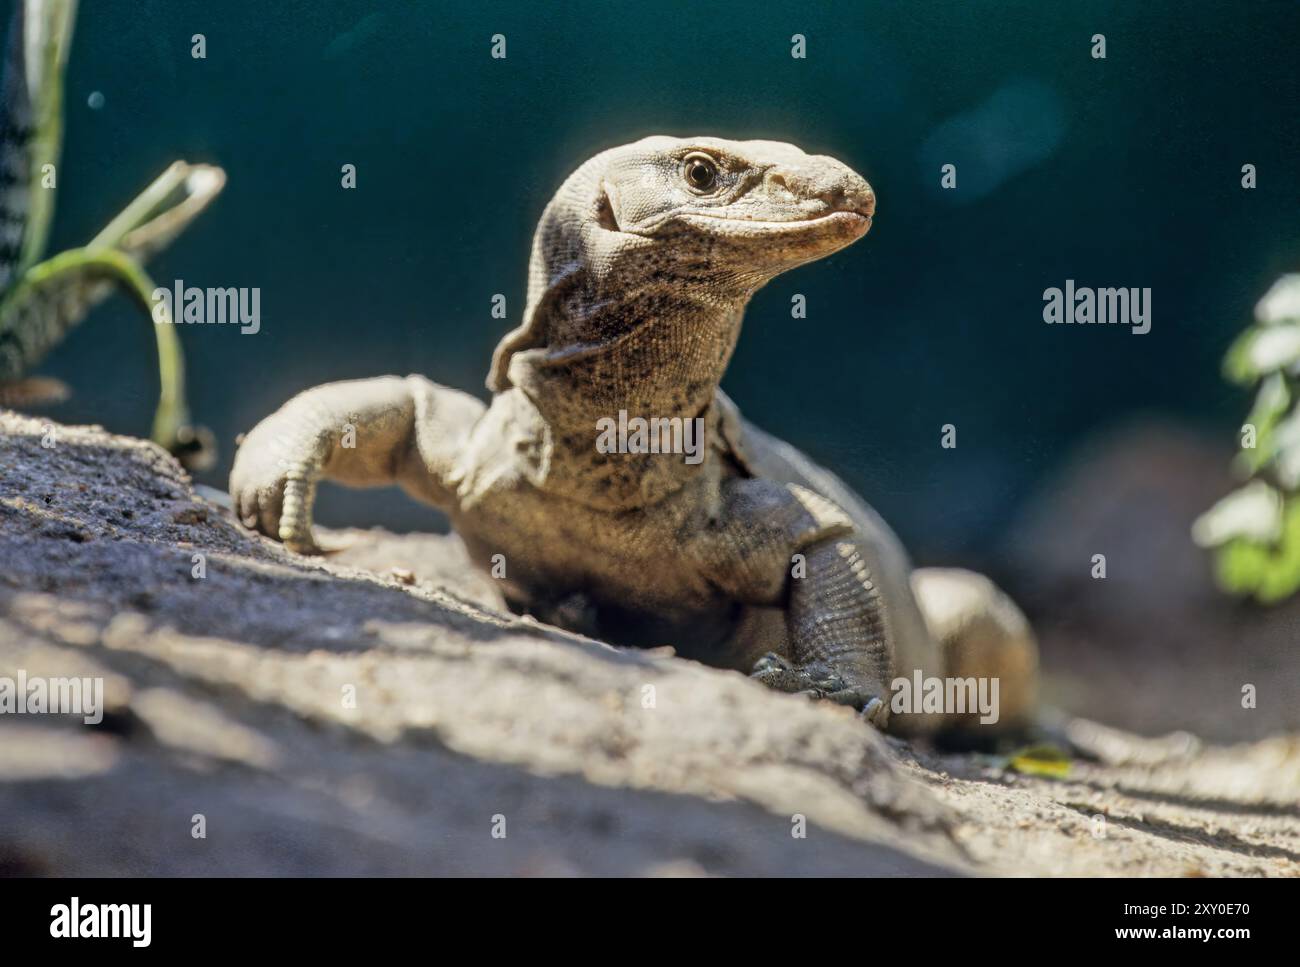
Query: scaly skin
[{"x": 752, "y": 558}]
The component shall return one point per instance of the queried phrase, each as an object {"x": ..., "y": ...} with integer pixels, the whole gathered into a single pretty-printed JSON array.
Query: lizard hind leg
[{"x": 983, "y": 636}]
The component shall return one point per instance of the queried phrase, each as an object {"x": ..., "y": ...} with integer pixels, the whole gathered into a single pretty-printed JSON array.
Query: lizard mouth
[{"x": 858, "y": 222}]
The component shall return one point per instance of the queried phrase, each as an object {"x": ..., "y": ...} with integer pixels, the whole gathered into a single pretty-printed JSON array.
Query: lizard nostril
[
  {"x": 780, "y": 187},
  {"x": 843, "y": 191},
  {"x": 857, "y": 197},
  {"x": 848, "y": 195}
]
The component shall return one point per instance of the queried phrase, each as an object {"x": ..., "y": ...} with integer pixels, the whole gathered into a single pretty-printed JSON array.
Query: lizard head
[
  {"x": 674, "y": 234},
  {"x": 750, "y": 209}
]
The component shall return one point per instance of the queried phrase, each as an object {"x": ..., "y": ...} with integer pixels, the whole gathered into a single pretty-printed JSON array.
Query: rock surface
[{"x": 337, "y": 716}]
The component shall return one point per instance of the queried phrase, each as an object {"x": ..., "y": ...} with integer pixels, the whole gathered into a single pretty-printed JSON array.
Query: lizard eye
[{"x": 700, "y": 171}]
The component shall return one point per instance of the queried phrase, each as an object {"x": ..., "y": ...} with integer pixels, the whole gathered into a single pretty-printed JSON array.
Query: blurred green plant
[
  {"x": 1254, "y": 532},
  {"x": 42, "y": 298}
]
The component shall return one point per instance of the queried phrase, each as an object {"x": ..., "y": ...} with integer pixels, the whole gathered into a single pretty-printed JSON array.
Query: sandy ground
[{"x": 336, "y": 716}]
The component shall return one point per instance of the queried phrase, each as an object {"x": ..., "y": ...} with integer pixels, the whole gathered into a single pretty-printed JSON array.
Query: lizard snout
[
  {"x": 853, "y": 195},
  {"x": 835, "y": 186},
  {"x": 844, "y": 190}
]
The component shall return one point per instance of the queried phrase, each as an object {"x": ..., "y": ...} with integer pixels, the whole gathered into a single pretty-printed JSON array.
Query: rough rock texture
[{"x": 230, "y": 696}]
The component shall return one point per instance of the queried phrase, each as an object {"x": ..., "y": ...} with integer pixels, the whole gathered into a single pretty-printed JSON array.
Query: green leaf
[
  {"x": 1240, "y": 566},
  {"x": 1263, "y": 350},
  {"x": 1255, "y": 531},
  {"x": 1253, "y": 512},
  {"x": 1285, "y": 440},
  {"x": 1281, "y": 303},
  {"x": 1270, "y": 406},
  {"x": 1269, "y": 571},
  {"x": 1271, "y": 401}
]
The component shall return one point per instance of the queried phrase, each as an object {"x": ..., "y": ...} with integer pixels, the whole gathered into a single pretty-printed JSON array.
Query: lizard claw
[
  {"x": 876, "y": 712},
  {"x": 821, "y": 682},
  {"x": 273, "y": 481},
  {"x": 775, "y": 672}
]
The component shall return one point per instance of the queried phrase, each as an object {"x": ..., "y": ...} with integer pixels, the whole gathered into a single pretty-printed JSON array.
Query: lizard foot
[{"x": 820, "y": 681}]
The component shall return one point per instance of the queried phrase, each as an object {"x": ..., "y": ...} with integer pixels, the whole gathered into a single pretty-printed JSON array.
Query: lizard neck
[
  {"x": 612, "y": 354},
  {"x": 652, "y": 352},
  {"x": 619, "y": 326}
]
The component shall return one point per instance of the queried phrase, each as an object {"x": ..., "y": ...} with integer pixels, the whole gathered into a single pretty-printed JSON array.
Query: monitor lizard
[{"x": 752, "y": 557}]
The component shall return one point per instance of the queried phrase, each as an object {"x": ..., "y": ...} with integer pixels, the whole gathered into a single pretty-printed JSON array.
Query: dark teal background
[{"x": 935, "y": 317}]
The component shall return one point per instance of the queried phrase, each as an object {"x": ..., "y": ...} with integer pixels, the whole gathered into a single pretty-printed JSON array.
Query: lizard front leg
[
  {"x": 837, "y": 640},
  {"x": 782, "y": 544},
  {"x": 361, "y": 433}
]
